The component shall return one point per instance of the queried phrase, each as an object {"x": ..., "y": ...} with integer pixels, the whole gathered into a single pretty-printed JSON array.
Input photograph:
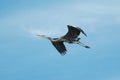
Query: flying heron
[{"x": 70, "y": 37}]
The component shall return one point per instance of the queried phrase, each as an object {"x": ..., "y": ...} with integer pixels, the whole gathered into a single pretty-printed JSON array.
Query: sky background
[{"x": 23, "y": 56}]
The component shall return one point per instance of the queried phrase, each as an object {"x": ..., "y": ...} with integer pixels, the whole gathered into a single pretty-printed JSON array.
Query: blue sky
[{"x": 23, "y": 56}]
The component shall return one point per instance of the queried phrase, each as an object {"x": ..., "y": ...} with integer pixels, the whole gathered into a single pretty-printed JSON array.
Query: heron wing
[
  {"x": 73, "y": 32},
  {"x": 60, "y": 47},
  {"x": 81, "y": 31}
]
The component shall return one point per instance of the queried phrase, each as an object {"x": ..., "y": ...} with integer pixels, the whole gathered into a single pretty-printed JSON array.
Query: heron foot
[{"x": 86, "y": 46}]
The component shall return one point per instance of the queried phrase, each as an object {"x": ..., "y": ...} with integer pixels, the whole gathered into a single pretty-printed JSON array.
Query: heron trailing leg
[{"x": 83, "y": 45}]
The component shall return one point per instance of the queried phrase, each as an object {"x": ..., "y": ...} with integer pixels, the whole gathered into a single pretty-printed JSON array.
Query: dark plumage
[
  {"x": 73, "y": 32},
  {"x": 70, "y": 37},
  {"x": 60, "y": 47}
]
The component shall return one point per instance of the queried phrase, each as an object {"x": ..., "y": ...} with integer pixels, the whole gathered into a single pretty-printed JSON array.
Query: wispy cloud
[{"x": 54, "y": 20}]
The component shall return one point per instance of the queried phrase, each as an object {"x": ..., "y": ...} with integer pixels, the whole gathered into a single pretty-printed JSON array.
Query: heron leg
[
  {"x": 78, "y": 39},
  {"x": 80, "y": 43}
]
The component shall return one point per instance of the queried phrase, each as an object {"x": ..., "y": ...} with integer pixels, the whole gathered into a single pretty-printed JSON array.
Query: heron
[{"x": 70, "y": 37}]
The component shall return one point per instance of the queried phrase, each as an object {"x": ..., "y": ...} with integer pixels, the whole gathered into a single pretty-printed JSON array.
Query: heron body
[{"x": 70, "y": 37}]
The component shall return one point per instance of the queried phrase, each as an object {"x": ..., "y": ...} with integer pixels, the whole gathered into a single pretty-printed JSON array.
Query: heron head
[
  {"x": 40, "y": 35},
  {"x": 43, "y": 36}
]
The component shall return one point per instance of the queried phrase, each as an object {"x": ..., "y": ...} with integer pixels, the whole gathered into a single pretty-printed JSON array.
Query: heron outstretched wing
[
  {"x": 60, "y": 47},
  {"x": 73, "y": 32}
]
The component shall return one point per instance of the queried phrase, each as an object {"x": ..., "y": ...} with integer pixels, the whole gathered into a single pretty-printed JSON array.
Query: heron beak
[{"x": 37, "y": 35}]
